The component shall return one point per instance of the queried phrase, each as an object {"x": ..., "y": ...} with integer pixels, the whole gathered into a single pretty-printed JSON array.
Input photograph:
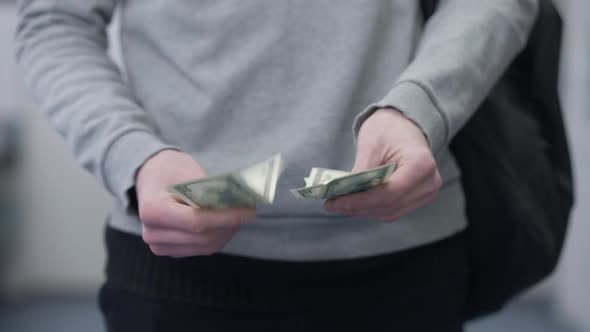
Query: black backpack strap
[
  {"x": 516, "y": 172},
  {"x": 428, "y": 7}
]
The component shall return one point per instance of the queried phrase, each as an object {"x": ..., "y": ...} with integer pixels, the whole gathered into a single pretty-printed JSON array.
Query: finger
[
  {"x": 168, "y": 236},
  {"x": 214, "y": 220},
  {"x": 371, "y": 202},
  {"x": 414, "y": 195},
  {"x": 210, "y": 244},
  {"x": 379, "y": 197},
  {"x": 406, "y": 206},
  {"x": 157, "y": 235},
  {"x": 188, "y": 219},
  {"x": 402, "y": 182}
]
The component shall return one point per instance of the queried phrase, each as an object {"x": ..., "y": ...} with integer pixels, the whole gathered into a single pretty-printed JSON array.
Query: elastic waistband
[{"x": 227, "y": 280}]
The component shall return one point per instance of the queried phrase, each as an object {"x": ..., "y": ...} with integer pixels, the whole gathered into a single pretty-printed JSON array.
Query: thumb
[{"x": 367, "y": 157}]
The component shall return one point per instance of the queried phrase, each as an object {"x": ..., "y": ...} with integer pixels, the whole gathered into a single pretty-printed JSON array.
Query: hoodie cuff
[
  {"x": 124, "y": 158},
  {"x": 417, "y": 104}
]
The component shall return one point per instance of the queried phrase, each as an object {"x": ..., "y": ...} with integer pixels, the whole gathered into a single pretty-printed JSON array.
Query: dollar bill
[
  {"x": 242, "y": 189},
  {"x": 323, "y": 183},
  {"x": 320, "y": 175}
]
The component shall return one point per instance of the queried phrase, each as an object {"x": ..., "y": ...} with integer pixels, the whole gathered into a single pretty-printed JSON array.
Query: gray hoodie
[{"x": 234, "y": 81}]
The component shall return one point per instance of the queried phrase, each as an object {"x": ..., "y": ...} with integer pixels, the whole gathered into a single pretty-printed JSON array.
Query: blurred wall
[
  {"x": 572, "y": 288},
  {"x": 59, "y": 235}
]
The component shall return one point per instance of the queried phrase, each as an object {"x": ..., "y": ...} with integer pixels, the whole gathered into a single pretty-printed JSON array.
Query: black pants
[{"x": 416, "y": 290}]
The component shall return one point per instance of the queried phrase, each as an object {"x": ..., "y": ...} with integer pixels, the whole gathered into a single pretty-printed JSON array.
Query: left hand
[{"x": 388, "y": 136}]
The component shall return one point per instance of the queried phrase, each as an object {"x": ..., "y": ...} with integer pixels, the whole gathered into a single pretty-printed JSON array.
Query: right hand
[{"x": 172, "y": 228}]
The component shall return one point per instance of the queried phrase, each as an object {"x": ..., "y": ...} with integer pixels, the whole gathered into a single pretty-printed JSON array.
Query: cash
[
  {"x": 323, "y": 183},
  {"x": 241, "y": 189}
]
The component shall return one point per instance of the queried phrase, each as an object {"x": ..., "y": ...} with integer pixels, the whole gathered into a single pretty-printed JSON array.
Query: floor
[{"x": 81, "y": 314}]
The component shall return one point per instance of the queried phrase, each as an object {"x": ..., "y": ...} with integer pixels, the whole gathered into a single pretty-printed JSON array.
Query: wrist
[
  {"x": 389, "y": 124},
  {"x": 396, "y": 118},
  {"x": 153, "y": 165}
]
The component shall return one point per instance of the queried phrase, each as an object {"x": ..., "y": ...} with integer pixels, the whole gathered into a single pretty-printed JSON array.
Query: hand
[
  {"x": 388, "y": 136},
  {"x": 172, "y": 228}
]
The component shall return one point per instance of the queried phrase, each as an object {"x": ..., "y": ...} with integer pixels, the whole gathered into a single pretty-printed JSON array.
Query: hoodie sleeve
[
  {"x": 62, "y": 48},
  {"x": 465, "y": 47}
]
